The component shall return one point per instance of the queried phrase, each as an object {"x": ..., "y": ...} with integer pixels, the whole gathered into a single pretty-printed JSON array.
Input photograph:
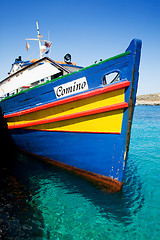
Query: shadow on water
[
  {"x": 25, "y": 182},
  {"x": 22, "y": 188},
  {"x": 18, "y": 219},
  {"x": 121, "y": 205}
]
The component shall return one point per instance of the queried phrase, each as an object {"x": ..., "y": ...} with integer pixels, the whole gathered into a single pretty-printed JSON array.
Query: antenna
[
  {"x": 37, "y": 29},
  {"x": 44, "y": 47},
  {"x": 39, "y": 36}
]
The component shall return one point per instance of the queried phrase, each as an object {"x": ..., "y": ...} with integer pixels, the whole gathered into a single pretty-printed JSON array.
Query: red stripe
[
  {"x": 71, "y": 116},
  {"x": 71, "y": 99}
]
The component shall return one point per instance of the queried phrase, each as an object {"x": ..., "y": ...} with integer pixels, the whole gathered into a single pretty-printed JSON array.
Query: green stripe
[{"x": 83, "y": 69}]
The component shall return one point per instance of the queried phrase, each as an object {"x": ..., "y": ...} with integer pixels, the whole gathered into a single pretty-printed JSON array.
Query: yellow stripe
[
  {"x": 102, "y": 100},
  {"x": 110, "y": 122},
  {"x": 101, "y": 122}
]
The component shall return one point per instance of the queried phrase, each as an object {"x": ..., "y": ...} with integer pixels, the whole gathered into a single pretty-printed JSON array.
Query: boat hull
[
  {"x": 89, "y": 151},
  {"x": 79, "y": 122}
]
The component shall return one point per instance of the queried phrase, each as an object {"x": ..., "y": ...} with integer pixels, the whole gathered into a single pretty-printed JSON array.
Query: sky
[{"x": 89, "y": 30}]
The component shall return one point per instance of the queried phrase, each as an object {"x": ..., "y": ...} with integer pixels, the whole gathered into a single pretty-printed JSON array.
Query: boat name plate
[{"x": 70, "y": 88}]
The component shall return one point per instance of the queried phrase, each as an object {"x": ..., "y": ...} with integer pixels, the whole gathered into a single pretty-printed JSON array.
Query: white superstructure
[
  {"x": 28, "y": 77},
  {"x": 26, "y": 74}
]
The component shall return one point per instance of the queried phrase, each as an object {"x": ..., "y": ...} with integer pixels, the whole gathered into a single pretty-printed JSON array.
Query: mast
[
  {"x": 39, "y": 36},
  {"x": 42, "y": 48}
]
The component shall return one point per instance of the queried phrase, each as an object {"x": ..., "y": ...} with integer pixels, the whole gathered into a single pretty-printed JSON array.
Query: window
[{"x": 110, "y": 78}]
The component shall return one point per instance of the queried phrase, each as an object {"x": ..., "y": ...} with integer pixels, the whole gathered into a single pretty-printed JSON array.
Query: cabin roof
[{"x": 38, "y": 61}]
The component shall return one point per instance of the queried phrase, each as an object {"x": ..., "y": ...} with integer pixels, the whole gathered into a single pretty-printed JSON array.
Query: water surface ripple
[{"x": 38, "y": 201}]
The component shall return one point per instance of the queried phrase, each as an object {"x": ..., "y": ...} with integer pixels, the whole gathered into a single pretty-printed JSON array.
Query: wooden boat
[{"x": 76, "y": 118}]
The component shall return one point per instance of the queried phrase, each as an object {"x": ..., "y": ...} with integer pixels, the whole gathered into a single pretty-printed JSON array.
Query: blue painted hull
[
  {"x": 101, "y": 153},
  {"x": 76, "y": 149}
]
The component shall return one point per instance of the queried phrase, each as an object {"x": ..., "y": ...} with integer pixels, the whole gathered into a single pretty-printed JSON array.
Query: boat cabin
[{"x": 28, "y": 74}]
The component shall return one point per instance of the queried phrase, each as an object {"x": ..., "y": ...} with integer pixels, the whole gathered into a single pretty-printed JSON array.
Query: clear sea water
[{"x": 38, "y": 201}]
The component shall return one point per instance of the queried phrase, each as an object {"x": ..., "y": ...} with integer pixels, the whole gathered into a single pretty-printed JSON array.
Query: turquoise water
[{"x": 43, "y": 202}]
